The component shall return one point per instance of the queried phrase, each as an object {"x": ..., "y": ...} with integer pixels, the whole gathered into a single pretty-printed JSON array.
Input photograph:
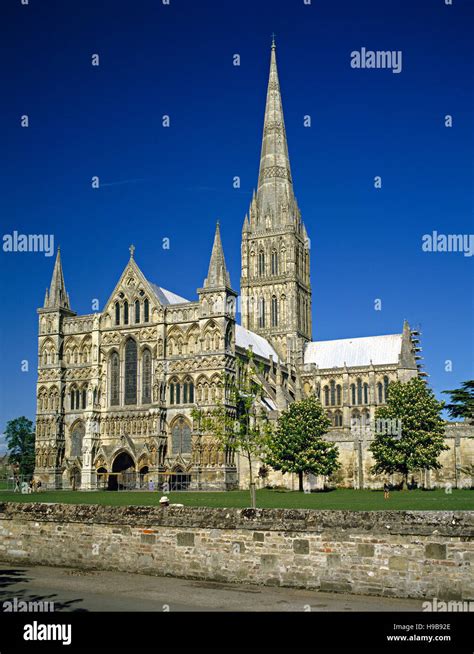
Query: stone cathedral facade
[{"x": 116, "y": 389}]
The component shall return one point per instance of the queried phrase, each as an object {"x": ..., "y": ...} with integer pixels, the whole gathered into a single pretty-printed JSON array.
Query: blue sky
[{"x": 176, "y": 182}]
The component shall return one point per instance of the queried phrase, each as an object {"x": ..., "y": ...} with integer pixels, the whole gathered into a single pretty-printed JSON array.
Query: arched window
[
  {"x": 181, "y": 437},
  {"x": 261, "y": 312},
  {"x": 177, "y": 390},
  {"x": 338, "y": 395},
  {"x": 333, "y": 392},
  {"x": 338, "y": 419},
  {"x": 72, "y": 399},
  {"x": 171, "y": 393},
  {"x": 188, "y": 391},
  {"x": 353, "y": 394},
  {"x": 130, "y": 372},
  {"x": 385, "y": 387},
  {"x": 274, "y": 262},
  {"x": 117, "y": 313},
  {"x": 274, "y": 312},
  {"x": 84, "y": 398},
  {"x": 359, "y": 391},
  {"x": 261, "y": 263},
  {"x": 77, "y": 436},
  {"x": 366, "y": 393},
  {"x": 125, "y": 313},
  {"x": 326, "y": 395},
  {"x": 380, "y": 392},
  {"x": 146, "y": 377},
  {"x": 114, "y": 379},
  {"x": 146, "y": 311},
  {"x": 78, "y": 399},
  {"x": 137, "y": 311}
]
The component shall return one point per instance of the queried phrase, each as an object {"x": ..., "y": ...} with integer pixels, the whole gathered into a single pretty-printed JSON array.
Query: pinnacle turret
[
  {"x": 57, "y": 298},
  {"x": 217, "y": 274}
]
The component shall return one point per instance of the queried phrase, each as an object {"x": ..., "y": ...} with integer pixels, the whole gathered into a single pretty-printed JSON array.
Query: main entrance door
[{"x": 124, "y": 476}]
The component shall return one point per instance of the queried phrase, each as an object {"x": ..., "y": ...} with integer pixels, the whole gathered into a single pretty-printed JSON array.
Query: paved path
[{"x": 72, "y": 590}]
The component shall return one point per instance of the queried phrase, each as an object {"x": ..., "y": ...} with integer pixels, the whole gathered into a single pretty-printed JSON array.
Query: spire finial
[
  {"x": 273, "y": 41},
  {"x": 132, "y": 251},
  {"x": 57, "y": 296},
  {"x": 217, "y": 274}
]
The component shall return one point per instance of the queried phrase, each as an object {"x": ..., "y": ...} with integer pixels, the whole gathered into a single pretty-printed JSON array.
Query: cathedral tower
[
  {"x": 275, "y": 281},
  {"x": 50, "y": 444}
]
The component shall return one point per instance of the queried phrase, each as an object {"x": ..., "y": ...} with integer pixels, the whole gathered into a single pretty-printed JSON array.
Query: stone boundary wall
[{"x": 417, "y": 554}]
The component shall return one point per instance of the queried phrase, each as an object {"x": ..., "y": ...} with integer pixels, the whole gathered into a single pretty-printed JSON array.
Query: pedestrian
[
  {"x": 164, "y": 501},
  {"x": 386, "y": 490},
  {"x": 151, "y": 485}
]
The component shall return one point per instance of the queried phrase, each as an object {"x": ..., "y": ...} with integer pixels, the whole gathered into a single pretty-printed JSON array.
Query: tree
[
  {"x": 240, "y": 423},
  {"x": 462, "y": 402},
  {"x": 419, "y": 437},
  {"x": 20, "y": 439},
  {"x": 297, "y": 444}
]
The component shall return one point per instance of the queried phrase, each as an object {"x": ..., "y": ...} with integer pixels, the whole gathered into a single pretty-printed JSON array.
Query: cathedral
[{"x": 117, "y": 389}]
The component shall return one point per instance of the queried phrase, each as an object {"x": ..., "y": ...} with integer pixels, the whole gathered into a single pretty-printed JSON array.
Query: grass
[{"x": 348, "y": 499}]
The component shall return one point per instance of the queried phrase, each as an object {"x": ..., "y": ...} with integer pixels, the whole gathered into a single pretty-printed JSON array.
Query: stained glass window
[
  {"x": 326, "y": 395},
  {"x": 77, "y": 436},
  {"x": 146, "y": 311},
  {"x": 333, "y": 392},
  {"x": 359, "y": 391},
  {"x": 261, "y": 312},
  {"x": 385, "y": 387},
  {"x": 114, "y": 379},
  {"x": 137, "y": 311},
  {"x": 130, "y": 372},
  {"x": 125, "y": 313},
  {"x": 181, "y": 438},
  {"x": 274, "y": 311},
  {"x": 146, "y": 380},
  {"x": 380, "y": 392},
  {"x": 274, "y": 263},
  {"x": 366, "y": 393},
  {"x": 117, "y": 313}
]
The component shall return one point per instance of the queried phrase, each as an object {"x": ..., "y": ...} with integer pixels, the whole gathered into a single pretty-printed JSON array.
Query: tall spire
[
  {"x": 217, "y": 274},
  {"x": 57, "y": 298},
  {"x": 275, "y": 186}
]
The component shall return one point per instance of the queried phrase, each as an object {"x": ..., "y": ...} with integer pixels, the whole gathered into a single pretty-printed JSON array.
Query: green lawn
[{"x": 356, "y": 500}]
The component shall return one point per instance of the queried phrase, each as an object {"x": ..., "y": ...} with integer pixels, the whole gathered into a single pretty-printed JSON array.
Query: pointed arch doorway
[{"x": 123, "y": 475}]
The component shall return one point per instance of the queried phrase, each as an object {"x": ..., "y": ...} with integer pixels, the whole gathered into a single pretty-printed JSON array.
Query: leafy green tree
[
  {"x": 297, "y": 444},
  {"x": 240, "y": 423},
  {"x": 20, "y": 439},
  {"x": 419, "y": 437},
  {"x": 462, "y": 402}
]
